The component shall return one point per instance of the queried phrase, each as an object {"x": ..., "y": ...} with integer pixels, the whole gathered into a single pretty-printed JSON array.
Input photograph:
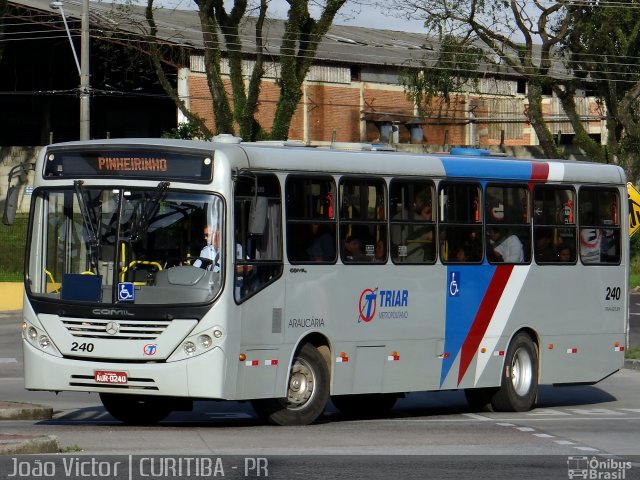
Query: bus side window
[
  {"x": 460, "y": 231},
  {"x": 507, "y": 224},
  {"x": 554, "y": 226},
  {"x": 412, "y": 218},
  {"x": 363, "y": 222},
  {"x": 257, "y": 240},
  {"x": 599, "y": 226},
  {"x": 311, "y": 226}
]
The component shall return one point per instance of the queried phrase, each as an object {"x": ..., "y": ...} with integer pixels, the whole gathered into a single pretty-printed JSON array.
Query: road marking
[
  {"x": 543, "y": 435},
  {"x": 8, "y": 360},
  {"x": 587, "y": 449},
  {"x": 525, "y": 429},
  {"x": 564, "y": 442},
  {"x": 475, "y": 416}
]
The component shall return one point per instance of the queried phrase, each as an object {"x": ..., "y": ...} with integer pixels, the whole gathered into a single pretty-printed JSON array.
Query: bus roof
[{"x": 277, "y": 156}]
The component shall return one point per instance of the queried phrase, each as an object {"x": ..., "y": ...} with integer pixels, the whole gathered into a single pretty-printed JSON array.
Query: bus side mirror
[
  {"x": 21, "y": 173},
  {"x": 10, "y": 205}
]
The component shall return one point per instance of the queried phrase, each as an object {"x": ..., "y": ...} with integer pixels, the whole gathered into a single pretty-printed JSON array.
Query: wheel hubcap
[
  {"x": 301, "y": 384},
  {"x": 521, "y": 372}
]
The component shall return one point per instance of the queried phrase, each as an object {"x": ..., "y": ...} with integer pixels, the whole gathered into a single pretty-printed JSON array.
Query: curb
[
  {"x": 28, "y": 444},
  {"x": 24, "y": 411},
  {"x": 632, "y": 363}
]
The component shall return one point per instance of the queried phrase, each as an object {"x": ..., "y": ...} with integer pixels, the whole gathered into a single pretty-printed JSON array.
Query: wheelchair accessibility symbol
[
  {"x": 125, "y": 292},
  {"x": 454, "y": 284}
]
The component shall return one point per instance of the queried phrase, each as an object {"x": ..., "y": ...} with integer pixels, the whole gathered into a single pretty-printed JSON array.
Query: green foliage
[
  {"x": 186, "y": 131},
  {"x": 455, "y": 67},
  {"x": 13, "y": 240}
]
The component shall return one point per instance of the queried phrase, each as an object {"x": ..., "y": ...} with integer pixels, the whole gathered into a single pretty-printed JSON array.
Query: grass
[
  {"x": 632, "y": 353},
  {"x": 12, "y": 243}
]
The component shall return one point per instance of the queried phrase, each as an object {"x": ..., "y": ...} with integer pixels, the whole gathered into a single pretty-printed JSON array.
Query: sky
[{"x": 367, "y": 16}]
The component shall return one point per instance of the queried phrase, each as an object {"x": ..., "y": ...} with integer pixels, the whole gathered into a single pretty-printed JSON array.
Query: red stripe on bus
[
  {"x": 483, "y": 317},
  {"x": 539, "y": 171}
]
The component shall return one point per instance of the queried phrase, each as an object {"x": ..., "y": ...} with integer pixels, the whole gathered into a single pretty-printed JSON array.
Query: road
[{"x": 433, "y": 429}]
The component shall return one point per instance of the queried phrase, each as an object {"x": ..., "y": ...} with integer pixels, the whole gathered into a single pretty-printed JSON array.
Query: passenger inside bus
[
  {"x": 353, "y": 250},
  {"x": 322, "y": 247},
  {"x": 545, "y": 251},
  {"x": 504, "y": 249}
]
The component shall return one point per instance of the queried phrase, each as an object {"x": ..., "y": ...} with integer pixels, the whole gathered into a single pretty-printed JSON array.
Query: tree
[
  {"x": 601, "y": 50},
  {"x": 3, "y": 14},
  {"x": 222, "y": 39},
  {"x": 495, "y": 25},
  {"x": 431, "y": 86}
]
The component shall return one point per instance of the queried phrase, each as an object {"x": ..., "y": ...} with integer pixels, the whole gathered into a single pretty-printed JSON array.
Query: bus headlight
[
  {"x": 189, "y": 348},
  {"x": 32, "y": 333},
  {"x": 205, "y": 341},
  {"x": 44, "y": 341},
  {"x": 217, "y": 332}
]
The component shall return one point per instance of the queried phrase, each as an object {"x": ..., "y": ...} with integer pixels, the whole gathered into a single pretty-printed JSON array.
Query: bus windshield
[{"x": 125, "y": 246}]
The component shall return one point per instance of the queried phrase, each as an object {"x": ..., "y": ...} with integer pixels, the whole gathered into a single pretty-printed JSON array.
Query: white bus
[{"x": 360, "y": 275}]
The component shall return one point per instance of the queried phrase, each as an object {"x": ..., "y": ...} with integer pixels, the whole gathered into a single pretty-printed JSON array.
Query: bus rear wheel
[
  {"x": 136, "y": 409},
  {"x": 519, "y": 385},
  {"x": 307, "y": 393}
]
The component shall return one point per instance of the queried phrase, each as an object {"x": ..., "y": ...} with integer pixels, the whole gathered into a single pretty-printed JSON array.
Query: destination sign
[{"x": 144, "y": 163}]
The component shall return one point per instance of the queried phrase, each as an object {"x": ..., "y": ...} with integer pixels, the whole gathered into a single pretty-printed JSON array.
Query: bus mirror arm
[{"x": 21, "y": 172}]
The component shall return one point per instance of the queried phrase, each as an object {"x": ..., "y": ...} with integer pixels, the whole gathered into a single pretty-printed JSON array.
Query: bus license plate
[{"x": 102, "y": 376}]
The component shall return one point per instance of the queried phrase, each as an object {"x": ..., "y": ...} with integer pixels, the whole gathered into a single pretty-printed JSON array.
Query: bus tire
[
  {"x": 519, "y": 386},
  {"x": 365, "y": 405},
  {"x": 136, "y": 409},
  {"x": 307, "y": 393}
]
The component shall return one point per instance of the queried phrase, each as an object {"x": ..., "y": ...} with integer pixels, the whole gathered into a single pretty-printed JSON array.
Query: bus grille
[{"x": 116, "y": 329}]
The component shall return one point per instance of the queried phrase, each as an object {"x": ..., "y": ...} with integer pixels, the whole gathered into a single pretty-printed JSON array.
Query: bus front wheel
[
  {"x": 307, "y": 393},
  {"x": 136, "y": 409},
  {"x": 519, "y": 386}
]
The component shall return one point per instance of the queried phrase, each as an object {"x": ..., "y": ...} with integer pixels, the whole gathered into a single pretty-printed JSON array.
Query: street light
[{"x": 83, "y": 65}]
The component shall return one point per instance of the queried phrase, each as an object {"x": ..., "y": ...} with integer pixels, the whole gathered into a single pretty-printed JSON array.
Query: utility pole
[
  {"x": 83, "y": 65},
  {"x": 85, "y": 89}
]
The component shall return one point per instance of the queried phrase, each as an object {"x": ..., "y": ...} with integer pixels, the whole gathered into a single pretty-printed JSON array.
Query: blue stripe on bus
[
  {"x": 487, "y": 168},
  {"x": 461, "y": 309}
]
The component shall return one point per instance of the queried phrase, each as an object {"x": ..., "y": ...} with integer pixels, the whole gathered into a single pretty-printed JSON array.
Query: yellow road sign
[{"x": 634, "y": 208}]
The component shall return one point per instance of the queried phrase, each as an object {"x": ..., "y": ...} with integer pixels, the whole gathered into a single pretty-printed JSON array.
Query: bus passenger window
[
  {"x": 554, "y": 227},
  {"x": 508, "y": 225},
  {"x": 362, "y": 218},
  {"x": 311, "y": 226},
  {"x": 599, "y": 226},
  {"x": 412, "y": 215},
  {"x": 460, "y": 233}
]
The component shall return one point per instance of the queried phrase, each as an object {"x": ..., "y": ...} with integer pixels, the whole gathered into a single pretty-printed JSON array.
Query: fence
[{"x": 12, "y": 244}]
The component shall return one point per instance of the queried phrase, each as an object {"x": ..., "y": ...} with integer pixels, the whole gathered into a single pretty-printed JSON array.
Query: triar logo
[{"x": 367, "y": 305}]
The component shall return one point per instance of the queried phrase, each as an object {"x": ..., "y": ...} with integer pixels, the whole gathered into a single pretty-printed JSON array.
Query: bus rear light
[
  {"x": 572, "y": 350},
  {"x": 618, "y": 349},
  {"x": 550, "y": 346},
  {"x": 242, "y": 357},
  {"x": 616, "y": 344}
]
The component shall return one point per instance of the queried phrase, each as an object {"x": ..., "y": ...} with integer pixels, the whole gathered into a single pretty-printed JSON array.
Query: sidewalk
[{"x": 26, "y": 444}]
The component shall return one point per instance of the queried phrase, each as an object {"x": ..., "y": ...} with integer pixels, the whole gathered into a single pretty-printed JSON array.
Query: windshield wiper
[
  {"x": 88, "y": 221},
  {"x": 149, "y": 210}
]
